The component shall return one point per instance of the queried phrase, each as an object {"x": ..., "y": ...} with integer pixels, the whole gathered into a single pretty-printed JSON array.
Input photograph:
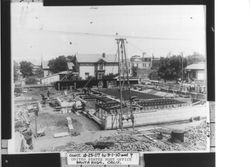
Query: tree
[
  {"x": 195, "y": 58},
  {"x": 153, "y": 75},
  {"x": 155, "y": 64},
  {"x": 15, "y": 66},
  {"x": 110, "y": 76},
  {"x": 134, "y": 71},
  {"x": 172, "y": 68},
  {"x": 58, "y": 64},
  {"x": 39, "y": 73},
  {"x": 26, "y": 68},
  {"x": 31, "y": 80},
  {"x": 72, "y": 59}
]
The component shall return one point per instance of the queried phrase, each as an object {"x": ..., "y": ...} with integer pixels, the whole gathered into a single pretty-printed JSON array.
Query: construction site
[{"x": 125, "y": 117}]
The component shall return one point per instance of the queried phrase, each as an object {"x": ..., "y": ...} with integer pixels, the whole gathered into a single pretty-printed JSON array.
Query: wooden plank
[
  {"x": 70, "y": 127},
  {"x": 150, "y": 138},
  {"x": 69, "y": 120},
  {"x": 62, "y": 134}
]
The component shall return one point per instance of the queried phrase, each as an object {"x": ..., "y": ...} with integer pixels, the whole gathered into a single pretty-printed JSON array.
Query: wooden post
[{"x": 35, "y": 125}]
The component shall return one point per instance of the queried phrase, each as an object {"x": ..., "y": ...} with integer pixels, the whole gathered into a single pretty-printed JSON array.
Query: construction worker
[
  {"x": 132, "y": 119},
  {"x": 48, "y": 93}
]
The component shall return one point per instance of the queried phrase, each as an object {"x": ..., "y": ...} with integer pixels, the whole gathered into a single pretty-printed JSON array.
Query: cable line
[{"x": 109, "y": 35}]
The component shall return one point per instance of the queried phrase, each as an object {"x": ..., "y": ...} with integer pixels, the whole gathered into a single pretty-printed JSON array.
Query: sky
[{"x": 41, "y": 33}]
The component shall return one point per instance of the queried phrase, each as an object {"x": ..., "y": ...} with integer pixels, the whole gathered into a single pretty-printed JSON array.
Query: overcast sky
[{"x": 48, "y": 32}]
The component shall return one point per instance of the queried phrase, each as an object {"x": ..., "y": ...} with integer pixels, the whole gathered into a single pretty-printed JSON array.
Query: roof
[
  {"x": 93, "y": 58},
  {"x": 198, "y": 66},
  {"x": 64, "y": 72},
  {"x": 59, "y": 73},
  {"x": 140, "y": 59},
  {"x": 35, "y": 66},
  {"x": 70, "y": 65}
]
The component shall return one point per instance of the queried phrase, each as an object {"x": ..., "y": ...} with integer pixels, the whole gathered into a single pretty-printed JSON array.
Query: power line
[
  {"x": 136, "y": 47},
  {"x": 110, "y": 35}
]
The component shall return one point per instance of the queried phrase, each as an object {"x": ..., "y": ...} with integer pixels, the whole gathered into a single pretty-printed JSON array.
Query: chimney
[
  {"x": 143, "y": 54},
  {"x": 103, "y": 55}
]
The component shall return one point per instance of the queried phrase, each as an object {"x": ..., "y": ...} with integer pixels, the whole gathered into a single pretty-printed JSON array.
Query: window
[{"x": 101, "y": 67}]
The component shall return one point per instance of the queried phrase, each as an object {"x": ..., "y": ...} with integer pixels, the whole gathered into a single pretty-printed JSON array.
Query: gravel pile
[{"x": 195, "y": 139}]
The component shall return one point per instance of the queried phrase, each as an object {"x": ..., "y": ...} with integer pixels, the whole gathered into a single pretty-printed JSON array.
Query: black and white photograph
[{"x": 109, "y": 78}]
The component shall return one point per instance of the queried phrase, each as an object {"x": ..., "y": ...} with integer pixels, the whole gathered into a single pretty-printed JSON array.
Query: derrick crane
[{"x": 124, "y": 77}]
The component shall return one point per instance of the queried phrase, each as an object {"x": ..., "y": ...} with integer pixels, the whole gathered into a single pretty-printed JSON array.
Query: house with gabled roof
[
  {"x": 96, "y": 65},
  {"x": 196, "y": 71}
]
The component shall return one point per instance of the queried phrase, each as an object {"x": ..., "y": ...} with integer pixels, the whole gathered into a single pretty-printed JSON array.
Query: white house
[
  {"x": 53, "y": 78},
  {"x": 96, "y": 65},
  {"x": 141, "y": 62},
  {"x": 50, "y": 79},
  {"x": 196, "y": 71}
]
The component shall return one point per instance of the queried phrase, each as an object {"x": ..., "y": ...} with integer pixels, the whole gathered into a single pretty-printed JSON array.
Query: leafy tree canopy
[
  {"x": 134, "y": 71},
  {"x": 195, "y": 58},
  {"x": 58, "y": 64},
  {"x": 39, "y": 73},
  {"x": 26, "y": 68},
  {"x": 31, "y": 80},
  {"x": 72, "y": 59},
  {"x": 172, "y": 68},
  {"x": 153, "y": 75}
]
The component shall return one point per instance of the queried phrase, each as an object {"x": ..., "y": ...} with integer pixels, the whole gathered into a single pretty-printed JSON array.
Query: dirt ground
[
  {"x": 55, "y": 122},
  {"x": 196, "y": 139}
]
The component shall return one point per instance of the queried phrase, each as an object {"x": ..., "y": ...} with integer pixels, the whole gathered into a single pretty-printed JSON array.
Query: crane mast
[{"x": 123, "y": 70}]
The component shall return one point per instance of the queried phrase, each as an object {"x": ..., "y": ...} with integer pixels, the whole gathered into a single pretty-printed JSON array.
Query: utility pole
[
  {"x": 181, "y": 66},
  {"x": 120, "y": 85}
]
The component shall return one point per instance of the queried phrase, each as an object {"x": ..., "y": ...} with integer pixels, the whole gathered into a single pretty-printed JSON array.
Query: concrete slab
[{"x": 62, "y": 134}]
